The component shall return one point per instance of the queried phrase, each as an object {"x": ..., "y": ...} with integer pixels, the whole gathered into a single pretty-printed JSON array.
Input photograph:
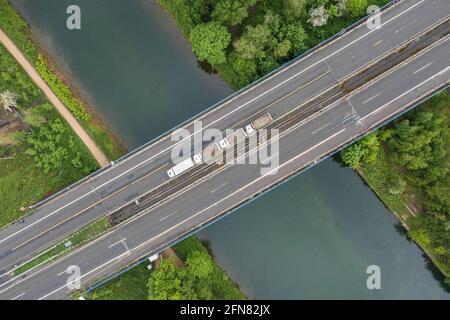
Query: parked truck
[
  {"x": 180, "y": 167},
  {"x": 258, "y": 123},
  {"x": 211, "y": 150},
  {"x": 214, "y": 148}
]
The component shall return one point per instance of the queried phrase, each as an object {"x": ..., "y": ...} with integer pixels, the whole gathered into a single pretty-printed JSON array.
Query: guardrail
[
  {"x": 170, "y": 243},
  {"x": 221, "y": 102}
]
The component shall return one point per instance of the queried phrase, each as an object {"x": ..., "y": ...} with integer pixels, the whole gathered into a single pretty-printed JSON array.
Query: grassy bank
[
  {"x": 18, "y": 30},
  {"x": 39, "y": 153},
  {"x": 202, "y": 278},
  {"x": 244, "y": 40},
  {"x": 407, "y": 164},
  {"x": 76, "y": 240}
]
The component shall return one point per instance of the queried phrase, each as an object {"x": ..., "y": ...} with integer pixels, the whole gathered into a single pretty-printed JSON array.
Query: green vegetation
[
  {"x": 17, "y": 29},
  {"x": 19, "y": 32},
  {"x": 39, "y": 152},
  {"x": 275, "y": 32},
  {"x": 131, "y": 285},
  {"x": 61, "y": 90},
  {"x": 209, "y": 41},
  {"x": 407, "y": 163},
  {"x": 356, "y": 8},
  {"x": 201, "y": 278},
  {"x": 77, "y": 239}
]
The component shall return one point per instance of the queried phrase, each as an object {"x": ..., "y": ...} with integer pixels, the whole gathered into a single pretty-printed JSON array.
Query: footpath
[{"x": 62, "y": 109}]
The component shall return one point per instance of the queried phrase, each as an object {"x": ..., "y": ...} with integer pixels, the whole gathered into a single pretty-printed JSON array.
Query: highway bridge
[{"x": 320, "y": 102}]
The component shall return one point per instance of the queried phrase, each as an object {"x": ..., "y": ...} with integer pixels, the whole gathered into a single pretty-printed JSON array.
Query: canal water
[{"x": 313, "y": 237}]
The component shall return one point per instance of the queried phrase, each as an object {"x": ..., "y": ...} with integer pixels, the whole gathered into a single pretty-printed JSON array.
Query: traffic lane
[
  {"x": 337, "y": 139},
  {"x": 21, "y": 249},
  {"x": 103, "y": 203},
  {"x": 132, "y": 237},
  {"x": 399, "y": 8},
  {"x": 409, "y": 75},
  {"x": 103, "y": 189},
  {"x": 294, "y": 69},
  {"x": 386, "y": 39}
]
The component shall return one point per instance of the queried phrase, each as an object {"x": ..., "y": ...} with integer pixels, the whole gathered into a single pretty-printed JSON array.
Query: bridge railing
[
  {"x": 223, "y": 101},
  {"x": 176, "y": 240},
  {"x": 256, "y": 82}
]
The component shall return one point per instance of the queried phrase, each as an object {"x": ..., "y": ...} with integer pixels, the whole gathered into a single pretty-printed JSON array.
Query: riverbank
[
  {"x": 110, "y": 144},
  {"x": 245, "y": 47},
  {"x": 407, "y": 167},
  {"x": 19, "y": 32},
  {"x": 173, "y": 280},
  {"x": 36, "y": 160},
  {"x": 311, "y": 238}
]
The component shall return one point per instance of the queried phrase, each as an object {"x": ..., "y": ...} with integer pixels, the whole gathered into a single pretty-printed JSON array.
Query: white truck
[
  {"x": 180, "y": 168},
  {"x": 213, "y": 149}
]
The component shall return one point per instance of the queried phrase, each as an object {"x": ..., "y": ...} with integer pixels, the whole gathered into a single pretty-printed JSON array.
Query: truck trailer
[
  {"x": 258, "y": 123},
  {"x": 180, "y": 168}
]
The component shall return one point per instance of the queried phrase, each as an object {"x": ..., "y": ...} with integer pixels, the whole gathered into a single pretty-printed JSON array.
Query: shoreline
[
  {"x": 96, "y": 119},
  {"x": 403, "y": 223}
]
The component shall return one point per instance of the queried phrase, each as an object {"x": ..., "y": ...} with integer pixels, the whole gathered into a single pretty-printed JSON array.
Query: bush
[{"x": 61, "y": 90}]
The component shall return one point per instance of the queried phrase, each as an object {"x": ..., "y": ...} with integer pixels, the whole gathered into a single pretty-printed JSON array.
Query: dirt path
[
  {"x": 167, "y": 254},
  {"x": 65, "y": 113}
]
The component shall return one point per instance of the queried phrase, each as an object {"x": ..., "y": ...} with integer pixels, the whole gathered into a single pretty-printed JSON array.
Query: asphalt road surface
[{"x": 189, "y": 208}]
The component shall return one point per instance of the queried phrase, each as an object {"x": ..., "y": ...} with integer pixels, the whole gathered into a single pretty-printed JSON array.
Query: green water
[{"x": 312, "y": 237}]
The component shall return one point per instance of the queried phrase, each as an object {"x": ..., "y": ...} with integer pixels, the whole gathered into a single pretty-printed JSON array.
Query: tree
[
  {"x": 418, "y": 143},
  {"x": 282, "y": 49},
  {"x": 293, "y": 9},
  {"x": 296, "y": 35},
  {"x": 396, "y": 185},
  {"x": 199, "y": 264},
  {"x": 318, "y": 17},
  {"x": 165, "y": 283},
  {"x": 209, "y": 41},
  {"x": 341, "y": 6},
  {"x": 352, "y": 155},
  {"x": 366, "y": 149},
  {"x": 356, "y": 8},
  {"x": 254, "y": 41},
  {"x": 8, "y": 100},
  {"x": 231, "y": 12}
]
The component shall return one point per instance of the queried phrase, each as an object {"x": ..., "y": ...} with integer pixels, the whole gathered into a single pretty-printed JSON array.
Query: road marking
[
  {"x": 221, "y": 186},
  {"x": 191, "y": 217},
  {"x": 377, "y": 43},
  {"x": 406, "y": 92},
  {"x": 360, "y": 53},
  {"x": 17, "y": 297},
  {"x": 237, "y": 191},
  {"x": 418, "y": 70},
  {"x": 117, "y": 258},
  {"x": 168, "y": 216},
  {"x": 217, "y": 120},
  {"x": 372, "y": 98},
  {"x": 61, "y": 273},
  {"x": 116, "y": 243},
  {"x": 398, "y": 30},
  {"x": 84, "y": 210},
  {"x": 315, "y": 131}
]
